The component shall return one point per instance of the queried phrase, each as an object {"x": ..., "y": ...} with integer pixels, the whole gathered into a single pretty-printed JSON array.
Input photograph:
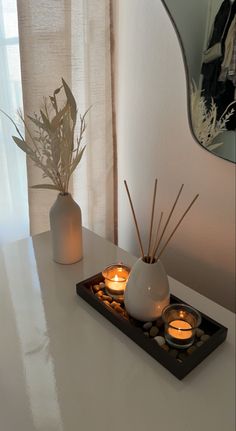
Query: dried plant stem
[
  {"x": 152, "y": 216},
  {"x": 50, "y": 141},
  {"x": 135, "y": 220},
  {"x": 20, "y": 114},
  {"x": 169, "y": 217},
  {"x": 176, "y": 227},
  {"x": 157, "y": 233}
]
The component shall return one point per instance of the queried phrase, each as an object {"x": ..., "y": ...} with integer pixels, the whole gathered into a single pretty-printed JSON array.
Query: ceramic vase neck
[{"x": 147, "y": 260}]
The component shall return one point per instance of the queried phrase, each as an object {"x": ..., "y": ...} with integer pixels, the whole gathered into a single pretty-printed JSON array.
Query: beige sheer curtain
[{"x": 71, "y": 39}]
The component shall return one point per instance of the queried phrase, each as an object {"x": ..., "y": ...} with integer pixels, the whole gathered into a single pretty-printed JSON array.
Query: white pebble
[{"x": 160, "y": 340}]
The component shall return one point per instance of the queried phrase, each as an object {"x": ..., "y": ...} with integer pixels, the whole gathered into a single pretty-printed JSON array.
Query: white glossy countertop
[{"x": 63, "y": 366}]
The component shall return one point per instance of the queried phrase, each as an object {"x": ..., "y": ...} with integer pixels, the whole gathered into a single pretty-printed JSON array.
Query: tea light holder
[
  {"x": 115, "y": 278},
  {"x": 181, "y": 322}
]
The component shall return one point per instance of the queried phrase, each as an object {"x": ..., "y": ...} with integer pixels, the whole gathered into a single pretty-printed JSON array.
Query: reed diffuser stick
[
  {"x": 152, "y": 216},
  {"x": 176, "y": 227},
  {"x": 157, "y": 233},
  {"x": 135, "y": 220},
  {"x": 169, "y": 217}
]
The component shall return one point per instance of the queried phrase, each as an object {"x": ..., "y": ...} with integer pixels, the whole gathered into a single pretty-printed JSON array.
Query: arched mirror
[{"x": 207, "y": 34}]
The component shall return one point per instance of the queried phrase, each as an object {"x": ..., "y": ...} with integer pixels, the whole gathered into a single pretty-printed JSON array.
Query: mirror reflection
[{"x": 207, "y": 29}]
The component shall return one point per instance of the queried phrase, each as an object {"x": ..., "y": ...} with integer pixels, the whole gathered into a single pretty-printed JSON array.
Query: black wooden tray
[{"x": 133, "y": 329}]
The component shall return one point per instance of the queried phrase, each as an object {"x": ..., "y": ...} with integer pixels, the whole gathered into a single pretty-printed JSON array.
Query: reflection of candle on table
[
  {"x": 116, "y": 277},
  {"x": 183, "y": 329}
]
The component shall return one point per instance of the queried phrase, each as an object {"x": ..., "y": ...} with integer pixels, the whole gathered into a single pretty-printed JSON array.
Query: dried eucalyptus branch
[
  {"x": 205, "y": 124},
  {"x": 51, "y": 144}
]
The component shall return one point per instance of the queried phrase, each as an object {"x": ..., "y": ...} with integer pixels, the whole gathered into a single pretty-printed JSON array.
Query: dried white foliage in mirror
[{"x": 204, "y": 120}]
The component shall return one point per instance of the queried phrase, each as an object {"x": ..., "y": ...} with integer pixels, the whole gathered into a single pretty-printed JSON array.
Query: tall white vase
[
  {"x": 66, "y": 229},
  {"x": 147, "y": 291}
]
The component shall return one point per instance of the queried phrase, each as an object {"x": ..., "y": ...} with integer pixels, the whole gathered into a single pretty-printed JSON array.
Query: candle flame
[
  {"x": 116, "y": 278},
  {"x": 180, "y": 329}
]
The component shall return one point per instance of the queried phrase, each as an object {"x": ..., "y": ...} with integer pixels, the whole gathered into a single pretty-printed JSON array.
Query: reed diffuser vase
[{"x": 147, "y": 291}]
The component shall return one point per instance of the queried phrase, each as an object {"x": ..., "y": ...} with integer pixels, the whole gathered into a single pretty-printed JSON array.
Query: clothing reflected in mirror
[{"x": 219, "y": 63}]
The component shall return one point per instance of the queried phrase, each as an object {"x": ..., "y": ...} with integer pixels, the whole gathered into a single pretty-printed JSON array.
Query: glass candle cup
[
  {"x": 181, "y": 322},
  {"x": 115, "y": 278}
]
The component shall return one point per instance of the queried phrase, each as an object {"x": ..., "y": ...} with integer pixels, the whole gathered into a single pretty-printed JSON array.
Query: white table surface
[{"x": 63, "y": 366}]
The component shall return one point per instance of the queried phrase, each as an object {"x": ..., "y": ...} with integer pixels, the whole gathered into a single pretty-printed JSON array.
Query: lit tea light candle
[
  {"x": 181, "y": 322},
  {"x": 116, "y": 277},
  {"x": 180, "y": 329}
]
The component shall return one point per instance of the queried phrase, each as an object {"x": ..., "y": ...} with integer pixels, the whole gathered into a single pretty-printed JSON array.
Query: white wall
[
  {"x": 154, "y": 140},
  {"x": 191, "y": 19}
]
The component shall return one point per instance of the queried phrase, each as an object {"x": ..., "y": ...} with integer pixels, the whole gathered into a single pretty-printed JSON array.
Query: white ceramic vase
[
  {"x": 66, "y": 230},
  {"x": 147, "y": 291}
]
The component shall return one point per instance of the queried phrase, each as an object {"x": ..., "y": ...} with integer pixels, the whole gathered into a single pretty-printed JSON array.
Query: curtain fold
[
  {"x": 71, "y": 39},
  {"x": 14, "y": 219}
]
